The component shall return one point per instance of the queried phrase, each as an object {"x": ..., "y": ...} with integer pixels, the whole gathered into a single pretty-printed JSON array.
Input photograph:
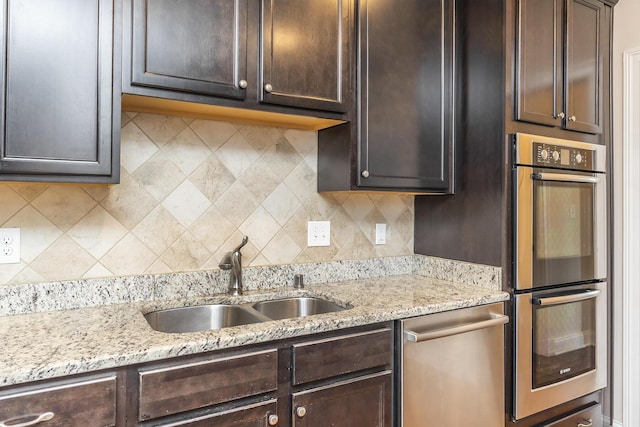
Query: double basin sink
[{"x": 218, "y": 316}]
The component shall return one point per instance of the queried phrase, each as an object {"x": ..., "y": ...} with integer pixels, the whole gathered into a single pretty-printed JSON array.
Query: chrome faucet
[{"x": 233, "y": 261}]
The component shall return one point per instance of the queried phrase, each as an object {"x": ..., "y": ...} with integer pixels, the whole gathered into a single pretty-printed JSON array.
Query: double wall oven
[{"x": 560, "y": 264}]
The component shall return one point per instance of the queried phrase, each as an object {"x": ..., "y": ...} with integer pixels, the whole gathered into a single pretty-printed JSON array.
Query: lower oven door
[{"x": 560, "y": 346}]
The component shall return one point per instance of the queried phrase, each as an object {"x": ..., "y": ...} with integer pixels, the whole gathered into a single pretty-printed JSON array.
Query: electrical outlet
[
  {"x": 318, "y": 233},
  {"x": 381, "y": 234},
  {"x": 9, "y": 245}
]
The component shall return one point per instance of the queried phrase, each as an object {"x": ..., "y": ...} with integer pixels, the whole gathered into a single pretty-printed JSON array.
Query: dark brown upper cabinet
[
  {"x": 402, "y": 139},
  {"x": 560, "y": 63},
  {"x": 253, "y": 54},
  {"x": 60, "y": 76}
]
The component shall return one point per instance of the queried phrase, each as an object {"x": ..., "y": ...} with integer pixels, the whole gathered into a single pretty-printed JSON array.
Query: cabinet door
[
  {"x": 539, "y": 62},
  {"x": 257, "y": 415},
  {"x": 190, "y": 46},
  {"x": 406, "y": 94},
  {"x": 306, "y": 53},
  {"x": 60, "y": 106},
  {"x": 360, "y": 402},
  {"x": 584, "y": 61}
]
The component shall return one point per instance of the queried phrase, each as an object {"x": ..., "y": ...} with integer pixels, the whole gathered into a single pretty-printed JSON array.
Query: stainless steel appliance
[
  {"x": 452, "y": 368},
  {"x": 560, "y": 289}
]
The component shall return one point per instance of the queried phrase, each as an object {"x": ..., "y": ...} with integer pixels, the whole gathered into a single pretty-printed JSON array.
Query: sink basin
[
  {"x": 201, "y": 318},
  {"x": 295, "y": 307}
]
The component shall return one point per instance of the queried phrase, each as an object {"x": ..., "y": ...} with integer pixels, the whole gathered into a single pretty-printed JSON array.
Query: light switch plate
[
  {"x": 9, "y": 245},
  {"x": 381, "y": 234},
  {"x": 318, "y": 233}
]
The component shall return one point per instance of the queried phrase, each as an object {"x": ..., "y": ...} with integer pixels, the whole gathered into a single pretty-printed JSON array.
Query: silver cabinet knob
[
  {"x": 301, "y": 411},
  {"x": 268, "y": 88},
  {"x": 365, "y": 173},
  {"x": 243, "y": 84},
  {"x": 273, "y": 420},
  {"x": 572, "y": 118},
  {"x": 561, "y": 115}
]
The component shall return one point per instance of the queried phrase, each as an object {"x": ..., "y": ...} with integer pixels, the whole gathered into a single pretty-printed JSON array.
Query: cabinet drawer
[
  {"x": 336, "y": 356},
  {"x": 169, "y": 390},
  {"x": 591, "y": 416},
  {"x": 256, "y": 415},
  {"x": 84, "y": 403}
]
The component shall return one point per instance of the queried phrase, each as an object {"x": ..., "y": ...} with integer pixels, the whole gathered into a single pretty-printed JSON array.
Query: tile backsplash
[{"x": 189, "y": 190}]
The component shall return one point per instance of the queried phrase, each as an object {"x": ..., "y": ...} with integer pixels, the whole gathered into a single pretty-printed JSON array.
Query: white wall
[{"x": 626, "y": 35}]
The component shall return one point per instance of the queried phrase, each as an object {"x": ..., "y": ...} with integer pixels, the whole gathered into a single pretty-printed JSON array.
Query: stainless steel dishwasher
[{"x": 452, "y": 368}]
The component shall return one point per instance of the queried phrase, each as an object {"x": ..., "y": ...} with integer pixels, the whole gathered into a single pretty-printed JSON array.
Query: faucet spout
[{"x": 233, "y": 261}]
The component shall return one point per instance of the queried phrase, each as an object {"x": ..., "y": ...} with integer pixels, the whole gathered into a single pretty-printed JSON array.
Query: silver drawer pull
[
  {"x": 46, "y": 416},
  {"x": 496, "y": 320},
  {"x": 586, "y": 423}
]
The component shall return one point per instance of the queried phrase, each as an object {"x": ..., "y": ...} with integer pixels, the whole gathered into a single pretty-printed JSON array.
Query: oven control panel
[{"x": 558, "y": 156}]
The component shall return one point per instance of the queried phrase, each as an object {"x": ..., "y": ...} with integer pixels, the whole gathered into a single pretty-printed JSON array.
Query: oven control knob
[
  {"x": 578, "y": 158},
  {"x": 555, "y": 156},
  {"x": 544, "y": 154}
]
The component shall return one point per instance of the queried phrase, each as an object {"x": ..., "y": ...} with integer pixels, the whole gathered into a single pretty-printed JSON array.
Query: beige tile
[
  {"x": 28, "y": 191},
  {"x": 212, "y": 229},
  {"x": 36, "y": 232},
  {"x": 260, "y": 180},
  {"x": 64, "y": 205},
  {"x": 282, "y": 204},
  {"x": 128, "y": 202},
  {"x": 261, "y": 138},
  {"x": 159, "y": 176},
  {"x": 158, "y": 267},
  {"x": 281, "y": 249},
  {"x": 368, "y": 225},
  {"x": 260, "y": 260},
  {"x": 320, "y": 206},
  {"x": 296, "y": 227},
  {"x": 158, "y": 230},
  {"x": 311, "y": 160},
  {"x": 212, "y": 178},
  {"x": 186, "y": 254},
  {"x": 304, "y": 141},
  {"x": 260, "y": 227},
  {"x": 391, "y": 206},
  {"x": 16, "y": 273},
  {"x": 282, "y": 158},
  {"x": 11, "y": 203},
  {"x": 186, "y": 203},
  {"x": 237, "y": 204},
  {"x": 356, "y": 247},
  {"x": 237, "y": 155},
  {"x": 302, "y": 181},
  {"x": 136, "y": 148},
  {"x": 342, "y": 227},
  {"x": 358, "y": 206},
  {"x": 63, "y": 260},
  {"x": 98, "y": 270},
  {"x": 97, "y": 232},
  {"x": 187, "y": 151},
  {"x": 98, "y": 191},
  {"x": 213, "y": 133},
  {"x": 319, "y": 253},
  {"x": 129, "y": 256},
  {"x": 160, "y": 129}
]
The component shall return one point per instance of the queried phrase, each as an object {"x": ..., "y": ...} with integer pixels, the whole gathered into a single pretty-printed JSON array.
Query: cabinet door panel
[
  {"x": 305, "y": 53},
  {"x": 405, "y": 120},
  {"x": 584, "y": 66},
  {"x": 58, "y": 110},
  {"x": 539, "y": 56},
  {"x": 246, "y": 416},
  {"x": 361, "y": 402},
  {"x": 195, "y": 46}
]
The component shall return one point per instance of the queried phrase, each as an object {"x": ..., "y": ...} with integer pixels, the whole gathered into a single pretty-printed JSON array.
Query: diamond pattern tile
[{"x": 190, "y": 189}]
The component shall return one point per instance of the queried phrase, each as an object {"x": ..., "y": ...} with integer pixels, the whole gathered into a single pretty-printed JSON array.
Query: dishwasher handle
[{"x": 496, "y": 320}]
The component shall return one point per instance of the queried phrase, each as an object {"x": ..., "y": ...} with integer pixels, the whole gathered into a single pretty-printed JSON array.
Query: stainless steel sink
[
  {"x": 201, "y": 318},
  {"x": 295, "y": 307}
]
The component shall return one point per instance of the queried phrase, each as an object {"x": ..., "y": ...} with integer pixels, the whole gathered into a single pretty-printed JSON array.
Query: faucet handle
[{"x": 245, "y": 239}]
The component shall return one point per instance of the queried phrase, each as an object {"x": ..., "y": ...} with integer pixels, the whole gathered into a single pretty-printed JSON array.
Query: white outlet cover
[
  {"x": 9, "y": 245},
  {"x": 318, "y": 233},
  {"x": 381, "y": 234}
]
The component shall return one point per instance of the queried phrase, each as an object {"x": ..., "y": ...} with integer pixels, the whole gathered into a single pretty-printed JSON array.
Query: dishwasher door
[{"x": 452, "y": 368}]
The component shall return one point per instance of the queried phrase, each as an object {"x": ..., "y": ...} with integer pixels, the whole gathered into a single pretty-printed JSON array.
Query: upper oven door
[{"x": 560, "y": 227}]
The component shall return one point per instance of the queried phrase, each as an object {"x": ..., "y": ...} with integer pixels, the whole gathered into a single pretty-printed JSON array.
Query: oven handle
[
  {"x": 565, "y": 178},
  {"x": 496, "y": 320},
  {"x": 581, "y": 296}
]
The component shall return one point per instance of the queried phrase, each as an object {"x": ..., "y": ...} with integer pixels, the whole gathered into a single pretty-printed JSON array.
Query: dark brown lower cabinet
[
  {"x": 256, "y": 415},
  {"x": 359, "y": 402}
]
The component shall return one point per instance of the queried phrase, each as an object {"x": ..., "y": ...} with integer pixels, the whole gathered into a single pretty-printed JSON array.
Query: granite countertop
[{"x": 46, "y": 345}]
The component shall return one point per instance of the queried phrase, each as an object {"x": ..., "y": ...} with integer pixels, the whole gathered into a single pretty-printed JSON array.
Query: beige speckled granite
[{"x": 53, "y": 344}]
